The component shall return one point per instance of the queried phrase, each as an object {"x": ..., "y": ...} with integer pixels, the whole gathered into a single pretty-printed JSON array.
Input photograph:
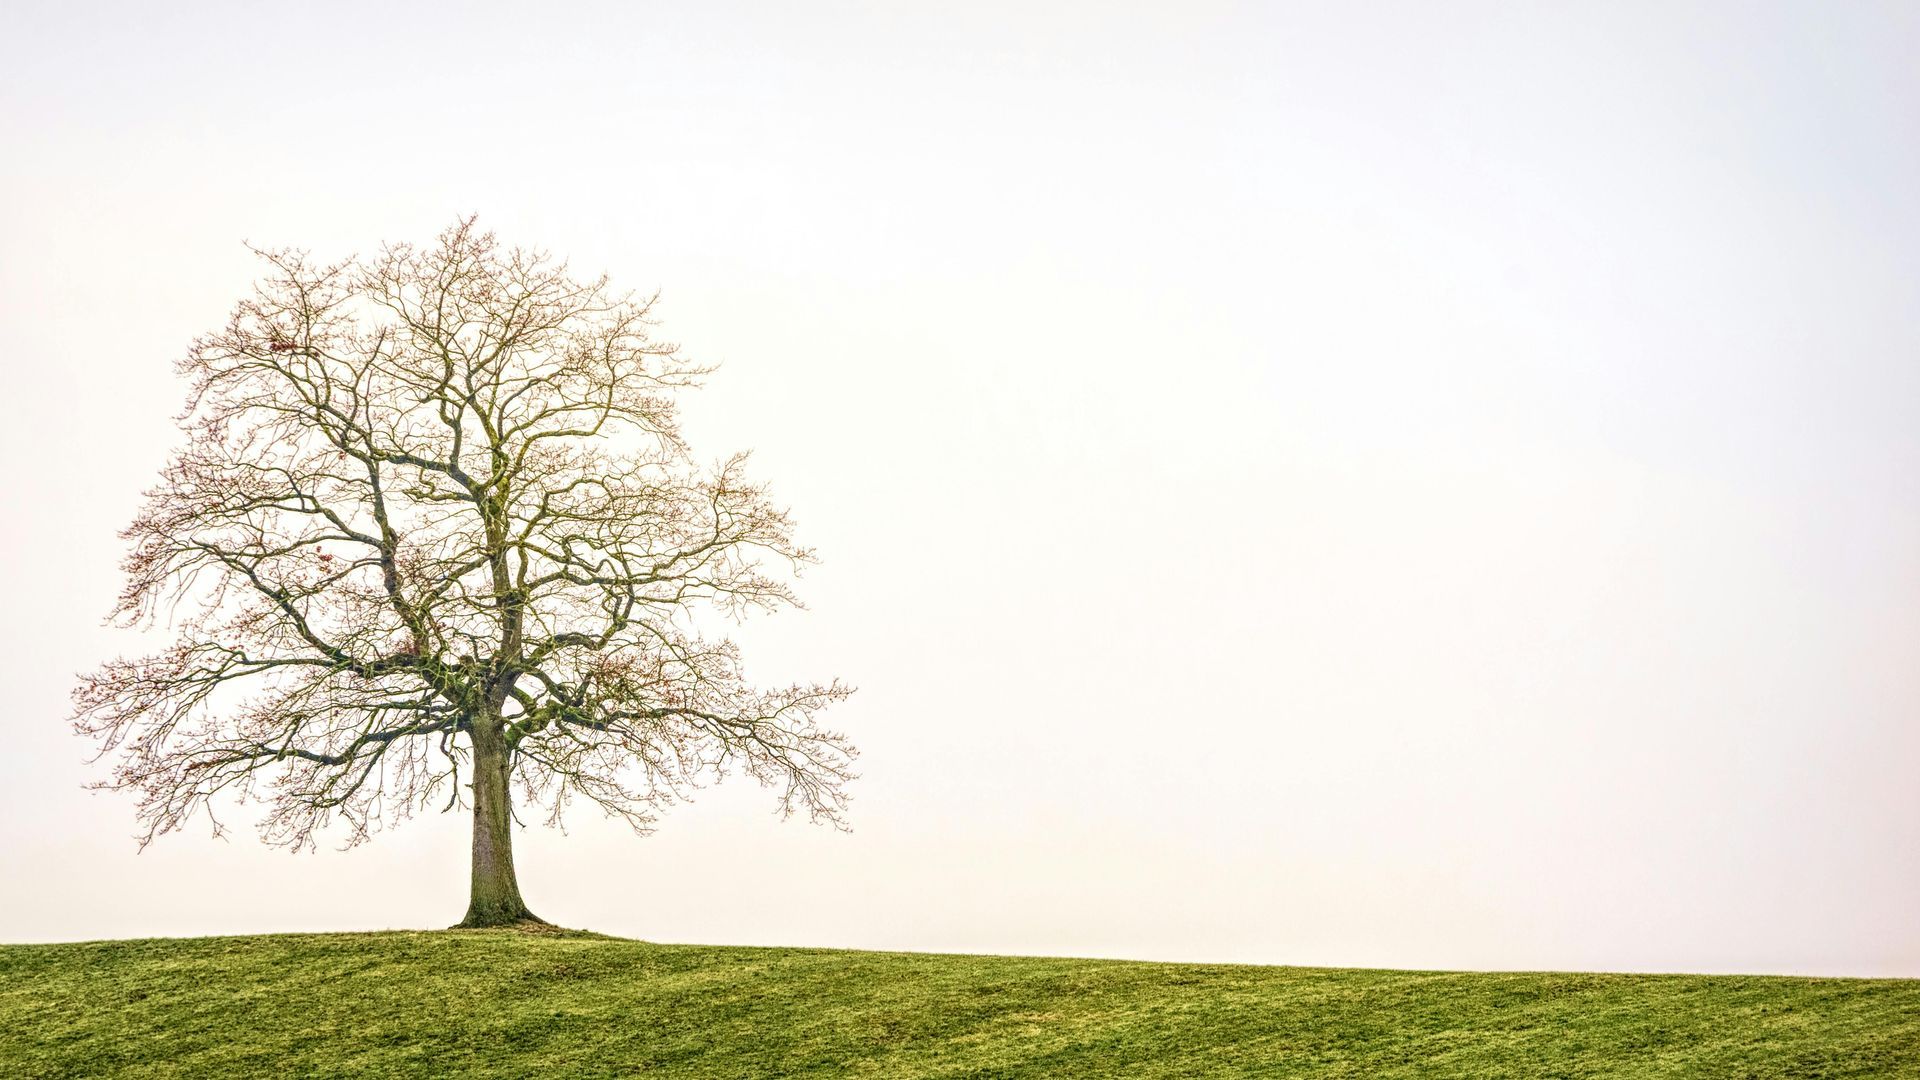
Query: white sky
[{"x": 1399, "y": 485}]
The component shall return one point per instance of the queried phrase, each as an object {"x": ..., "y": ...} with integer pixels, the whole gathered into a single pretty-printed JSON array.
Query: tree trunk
[{"x": 496, "y": 892}]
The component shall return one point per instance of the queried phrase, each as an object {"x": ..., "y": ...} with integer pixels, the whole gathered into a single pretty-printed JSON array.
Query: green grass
[{"x": 501, "y": 1003}]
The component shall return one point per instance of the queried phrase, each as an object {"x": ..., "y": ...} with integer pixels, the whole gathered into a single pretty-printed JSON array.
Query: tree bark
[{"x": 496, "y": 892}]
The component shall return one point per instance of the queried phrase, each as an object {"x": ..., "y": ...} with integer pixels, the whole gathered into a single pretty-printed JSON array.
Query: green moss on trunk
[{"x": 496, "y": 897}]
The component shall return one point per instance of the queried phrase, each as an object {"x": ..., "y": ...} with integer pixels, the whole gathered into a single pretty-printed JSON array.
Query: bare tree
[{"x": 433, "y": 539}]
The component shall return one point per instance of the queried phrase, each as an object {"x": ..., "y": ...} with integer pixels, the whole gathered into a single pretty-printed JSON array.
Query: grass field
[{"x": 502, "y": 1003}]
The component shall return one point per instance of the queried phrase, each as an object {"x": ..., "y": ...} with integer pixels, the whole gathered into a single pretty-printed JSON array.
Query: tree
[{"x": 434, "y": 539}]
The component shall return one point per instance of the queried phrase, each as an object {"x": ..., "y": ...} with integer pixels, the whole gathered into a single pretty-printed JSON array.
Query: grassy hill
[{"x": 501, "y": 1003}]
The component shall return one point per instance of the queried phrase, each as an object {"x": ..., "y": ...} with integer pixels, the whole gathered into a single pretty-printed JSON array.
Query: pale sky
[{"x": 1392, "y": 485}]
